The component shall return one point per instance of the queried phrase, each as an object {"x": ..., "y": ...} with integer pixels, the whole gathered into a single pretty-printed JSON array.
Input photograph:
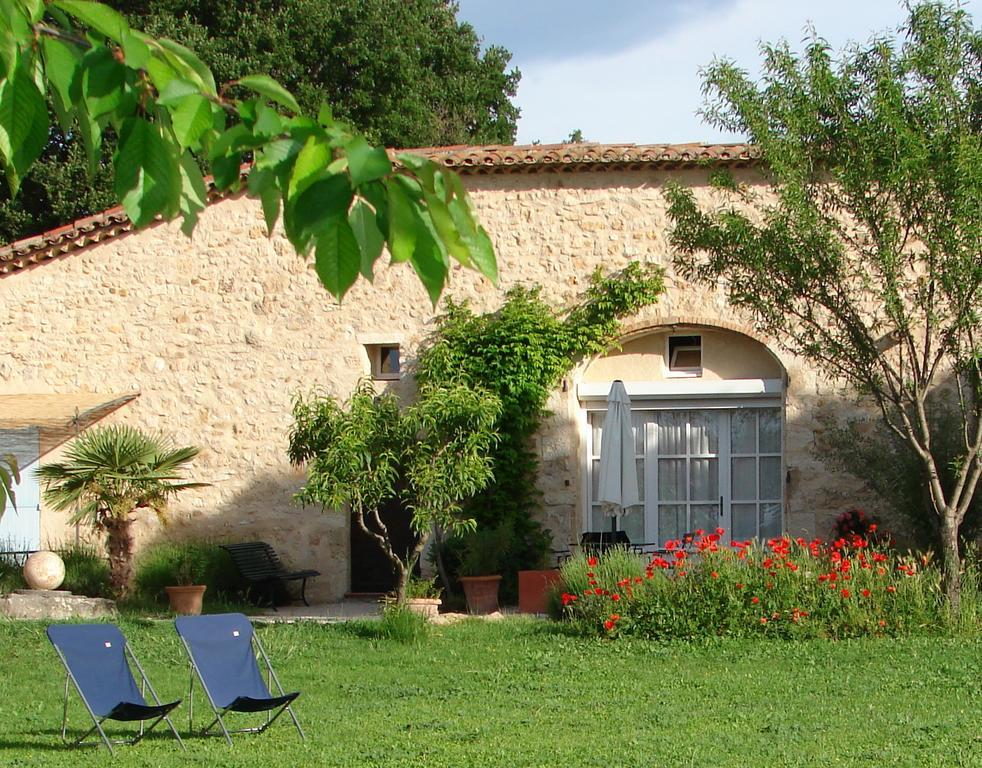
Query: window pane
[
  {"x": 703, "y": 432},
  {"x": 671, "y": 480},
  {"x": 743, "y": 428},
  {"x": 744, "y": 521},
  {"x": 770, "y": 520},
  {"x": 744, "y": 479},
  {"x": 598, "y": 520},
  {"x": 633, "y": 525},
  {"x": 594, "y": 479},
  {"x": 705, "y": 516},
  {"x": 671, "y": 521},
  {"x": 770, "y": 477},
  {"x": 389, "y": 360},
  {"x": 703, "y": 479},
  {"x": 671, "y": 433},
  {"x": 638, "y": 421},
  {"x": 770, "y": 430},
  {"x": 640, "y": 463}
]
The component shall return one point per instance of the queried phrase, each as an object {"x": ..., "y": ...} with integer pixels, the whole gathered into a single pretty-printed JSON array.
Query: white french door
[{"x": 702, "y": 468}]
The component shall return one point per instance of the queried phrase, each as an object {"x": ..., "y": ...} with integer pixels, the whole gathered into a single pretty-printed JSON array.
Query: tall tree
[
  {"x": 866, "y": 255},
  {"x": 405, "y": 73},
  {"x": 340, "y": 199}
]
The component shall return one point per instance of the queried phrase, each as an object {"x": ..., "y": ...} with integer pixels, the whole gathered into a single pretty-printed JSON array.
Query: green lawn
[{"x": 517, "y": 693}]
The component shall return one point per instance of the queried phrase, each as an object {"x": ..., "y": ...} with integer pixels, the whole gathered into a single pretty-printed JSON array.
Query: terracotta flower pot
[
  {"x": 186, "y": 600},
  {"x": 481, "y": 593},
  {"x": 533, "y": 589},
  {"x": 424, "y": 606}
]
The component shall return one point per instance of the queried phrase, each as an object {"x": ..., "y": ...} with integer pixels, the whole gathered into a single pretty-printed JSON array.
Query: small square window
[
  {"x": 386, "y": 361},
  {"x": 685, "y": 355}
]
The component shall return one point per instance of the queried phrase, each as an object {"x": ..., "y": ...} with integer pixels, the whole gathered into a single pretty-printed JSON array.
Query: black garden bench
[{"x": 261, "y": 567}]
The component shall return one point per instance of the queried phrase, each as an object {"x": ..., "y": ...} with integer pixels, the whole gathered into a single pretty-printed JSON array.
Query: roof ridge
[{"x": 463, "y": 158}]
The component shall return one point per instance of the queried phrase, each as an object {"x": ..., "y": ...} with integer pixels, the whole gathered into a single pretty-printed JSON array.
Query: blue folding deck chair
[
  {"x": 96, "y": 659},
  {"x": 222, "y": 649}
]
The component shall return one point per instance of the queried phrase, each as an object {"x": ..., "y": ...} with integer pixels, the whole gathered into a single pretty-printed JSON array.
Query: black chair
[{"x": 262, "y": 569}]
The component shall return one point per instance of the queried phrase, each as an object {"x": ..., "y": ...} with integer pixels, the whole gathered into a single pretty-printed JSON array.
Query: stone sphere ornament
[{"x": 44, "y": 570}]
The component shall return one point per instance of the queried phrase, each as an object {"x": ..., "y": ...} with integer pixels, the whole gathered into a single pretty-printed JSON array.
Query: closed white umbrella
[{"x": 618, "y": 490}]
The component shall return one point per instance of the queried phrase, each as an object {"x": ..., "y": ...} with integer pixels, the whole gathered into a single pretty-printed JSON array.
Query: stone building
[{"x": 206, "y": 339}]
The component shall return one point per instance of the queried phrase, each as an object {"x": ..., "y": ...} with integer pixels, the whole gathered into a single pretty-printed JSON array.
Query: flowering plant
[{"x": 786, "y": 587}]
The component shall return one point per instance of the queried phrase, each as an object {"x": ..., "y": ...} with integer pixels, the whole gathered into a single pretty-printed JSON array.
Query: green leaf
[
  {"x": 225, "y": 170},
  {"x": 262, "y": 183},
  {"x": 191, "y": 120},
  {"x": 176, "y": 90},
  {"x": 325, "y": 115},
  {"x": 471, "y": 233},
  {"x": 91, "y": 133},
  {"x": 366, "y": 163},
  {"x": 369, "y": 237},
  {"x": 136, "y": 52},
  {"x": 191, "y": 64},
  {"x": 305, "y": 215},
  {"x": 23, "y": 124},
  {"x": 310, "y": 166},
  {"x": 446, "y": 229},
  {"x": 148, "y": 181},
  {"x": 160, "y": 68},
  {"x": 337, "y": 258},
  {"x": 97, "y": 16},
  {"x": 430, "y": 262},
  {"x": 61, "y": 65},
  {"x": 194, "y": 193},
  {"x": 268, "y": 122},
  {"x": 272, "y": 90},
  {"x": 403, "y": 222},
  {"x": 103, "y": 81}
]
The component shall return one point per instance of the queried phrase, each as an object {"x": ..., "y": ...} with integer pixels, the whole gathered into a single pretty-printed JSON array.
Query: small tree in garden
[
  {"x": 867, "y": 260},
  {"x": 107, "y": 475},
  {"x": 432, "y": 454}
]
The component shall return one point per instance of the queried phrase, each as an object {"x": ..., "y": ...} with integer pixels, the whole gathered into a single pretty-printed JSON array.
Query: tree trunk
[
  {"x": 119, "y": 542},
  {"x": 951, "y": 561}
]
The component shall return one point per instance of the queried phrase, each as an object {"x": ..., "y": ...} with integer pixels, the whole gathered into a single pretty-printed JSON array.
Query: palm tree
[
  {"x": 9, "y": 477},
  {"x": 107, "y": 475}
]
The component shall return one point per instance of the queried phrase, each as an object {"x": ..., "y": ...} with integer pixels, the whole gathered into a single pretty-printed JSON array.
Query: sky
[{"x": 628, "y": 70}]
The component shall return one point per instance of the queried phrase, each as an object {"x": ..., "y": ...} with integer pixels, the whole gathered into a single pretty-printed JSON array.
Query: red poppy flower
[
  {"x": 608, "y": 625},
  {"x": 866, "y": 593},
  {"x": 615, "y": 597},
  {"x": 845, "y": 593},
  {"x": 882, "y": 623},
  {"x": 591, "y": 561},
  {"x": 568, "y": 598},
  {"x": 720, "y": 531},
  {"x": 679, "y": 555},
  {"x": 738, "y": 585},
  {"x": 714, "y": 575},
  {"x": 891, "y": 588},
  {"x": 763, "y": 619},
  {"x": 755, "y": 600}
]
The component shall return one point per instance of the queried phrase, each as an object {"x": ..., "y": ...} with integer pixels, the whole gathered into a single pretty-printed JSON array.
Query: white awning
[{"x": 687, "y": 392}]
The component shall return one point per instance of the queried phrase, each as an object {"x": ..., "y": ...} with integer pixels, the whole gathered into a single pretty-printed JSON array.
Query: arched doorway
[{"x": 708, "y": 418}]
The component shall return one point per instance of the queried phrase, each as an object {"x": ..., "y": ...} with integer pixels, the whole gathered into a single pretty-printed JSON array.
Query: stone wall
[{"x": 217, "y": 333}]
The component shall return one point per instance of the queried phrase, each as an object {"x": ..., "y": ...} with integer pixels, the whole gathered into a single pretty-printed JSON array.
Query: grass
[{"x": 520, "y": 693}]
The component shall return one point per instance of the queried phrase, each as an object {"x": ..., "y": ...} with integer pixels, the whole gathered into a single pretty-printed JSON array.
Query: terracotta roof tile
[{"x": 467, "y": 160}]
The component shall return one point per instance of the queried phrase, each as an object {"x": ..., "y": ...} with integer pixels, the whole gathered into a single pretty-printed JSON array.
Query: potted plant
[
  {"x": 187, "y": 593},
  {"x": 480, "y": 563},
  {"x": 107, "y": 476},
  {"x": 423, "y": 596},
  {"x": 534, "y": 585}
]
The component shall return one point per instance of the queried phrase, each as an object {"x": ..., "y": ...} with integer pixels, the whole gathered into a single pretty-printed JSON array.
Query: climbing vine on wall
[{"x": 520, "y": 353}]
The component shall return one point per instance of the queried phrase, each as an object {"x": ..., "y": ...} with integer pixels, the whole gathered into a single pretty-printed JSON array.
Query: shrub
[
  {"x": 401, "y": 624},
  {"x": 790, "y": 588},
  {"x": 86, "y": 571},
  {"x": 11, "y": 574},
  {"x": 167, "y": 564}
]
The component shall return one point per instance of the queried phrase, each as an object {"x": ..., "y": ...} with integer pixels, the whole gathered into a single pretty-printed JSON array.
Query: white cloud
[{"x": 650, "y": 93}]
